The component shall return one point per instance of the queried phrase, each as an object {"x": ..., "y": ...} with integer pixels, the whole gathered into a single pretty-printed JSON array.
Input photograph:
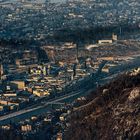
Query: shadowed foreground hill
[{"x": 110, "y": 113}]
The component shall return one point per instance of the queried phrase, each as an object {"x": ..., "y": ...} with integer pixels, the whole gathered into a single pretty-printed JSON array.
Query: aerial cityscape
[{"x": 69, "y": 70}]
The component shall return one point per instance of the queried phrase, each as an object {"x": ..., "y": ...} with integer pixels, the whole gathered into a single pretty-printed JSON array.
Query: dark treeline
[
  {"x": 21, "y": 46},
  {"x": 84, "y": 35},
  {"x": 93, "y": 34}
]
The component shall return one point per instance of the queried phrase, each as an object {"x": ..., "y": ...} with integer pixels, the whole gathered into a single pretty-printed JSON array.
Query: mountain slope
[{"x": 113, "y": 112}]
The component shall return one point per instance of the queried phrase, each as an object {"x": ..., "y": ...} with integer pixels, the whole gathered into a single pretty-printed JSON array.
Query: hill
[{"x": 112, "y": 112}]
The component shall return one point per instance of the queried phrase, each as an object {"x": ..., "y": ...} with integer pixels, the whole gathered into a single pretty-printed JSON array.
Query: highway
[{"x": 25, "y": 113}]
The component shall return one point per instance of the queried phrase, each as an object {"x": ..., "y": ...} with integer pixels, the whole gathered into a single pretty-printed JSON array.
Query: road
[{"x": 34, "y": 111}]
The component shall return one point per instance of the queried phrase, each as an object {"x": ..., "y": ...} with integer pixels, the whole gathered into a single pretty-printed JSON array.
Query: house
[{"x": 26, "y": 128}]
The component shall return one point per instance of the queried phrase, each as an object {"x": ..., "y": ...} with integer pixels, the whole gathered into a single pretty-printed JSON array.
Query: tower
[
  {"x": 1, "y": 71},
  {"x": 74, "y": 70},
  {"x": 77, "y": 53}
]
